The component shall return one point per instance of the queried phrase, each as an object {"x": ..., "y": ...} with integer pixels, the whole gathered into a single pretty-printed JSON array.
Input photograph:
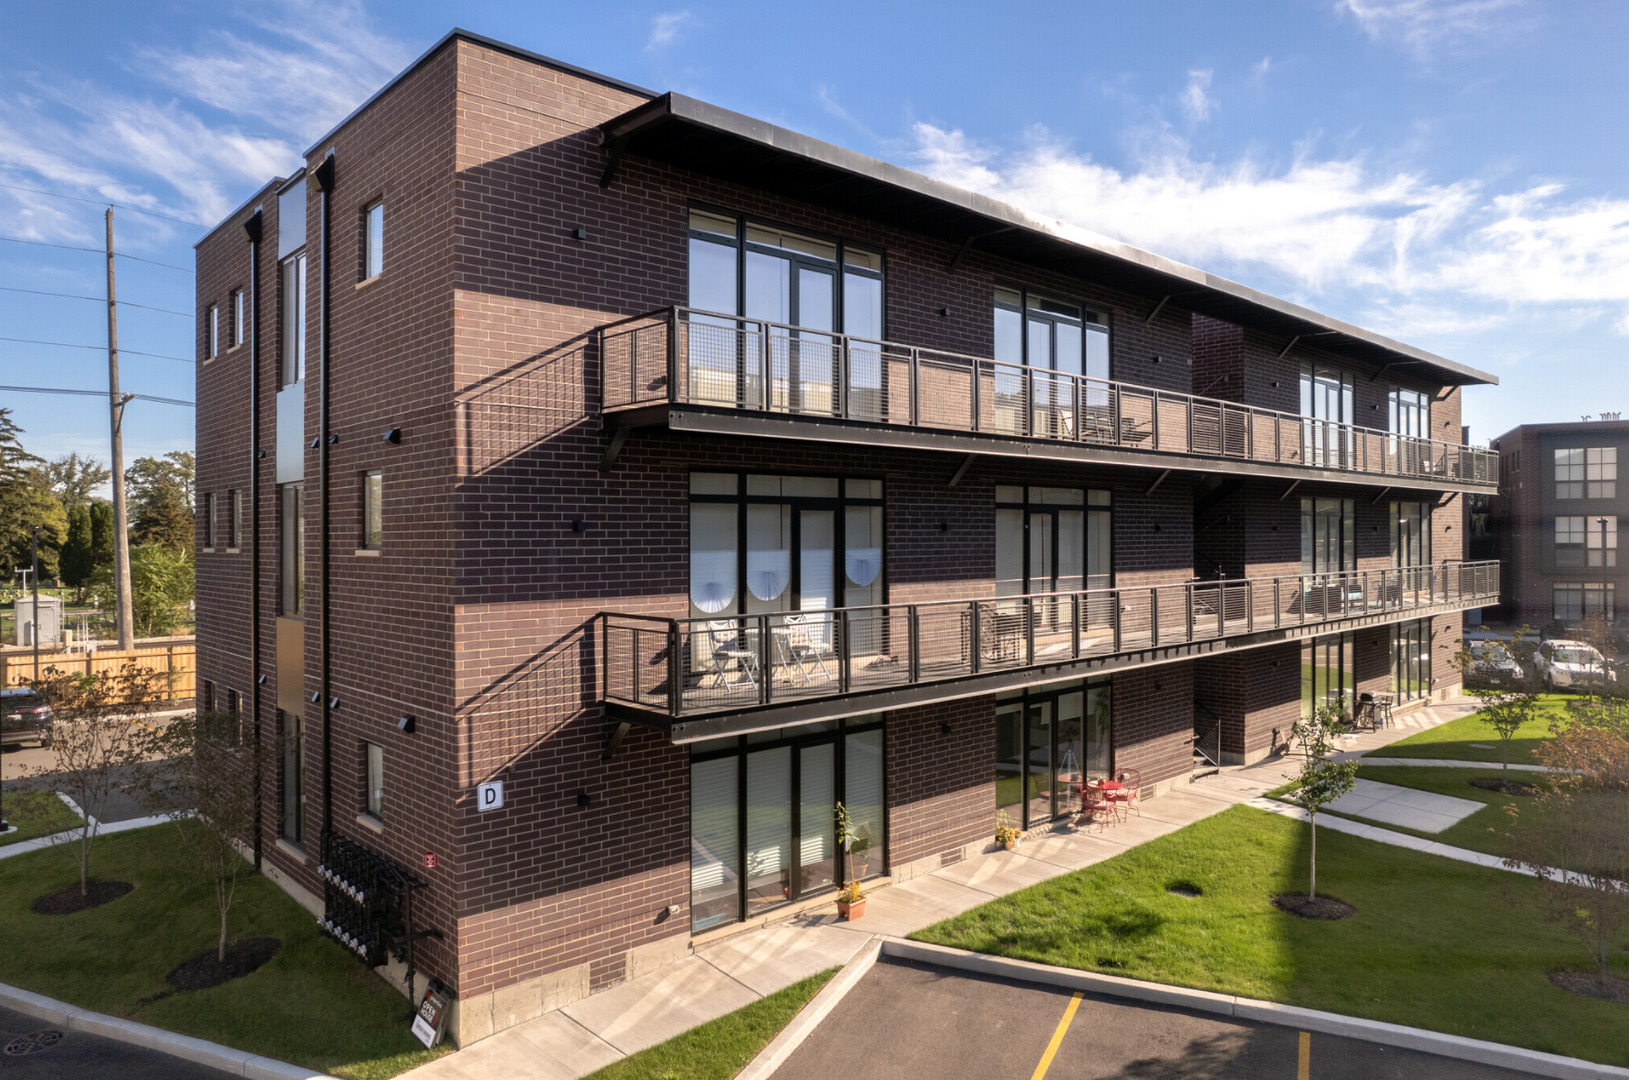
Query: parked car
[
  {"x": 1565, "y": 663},
  {"x": 1492, "y": 665},
  {"x": 24, "y": 717}
]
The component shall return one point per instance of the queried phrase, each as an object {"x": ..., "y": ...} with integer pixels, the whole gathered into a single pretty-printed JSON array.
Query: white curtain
[
  {"x": 769, "y": 572},
  {"x": 863, "y": 565},
  {"x": 712, "y": 580}
]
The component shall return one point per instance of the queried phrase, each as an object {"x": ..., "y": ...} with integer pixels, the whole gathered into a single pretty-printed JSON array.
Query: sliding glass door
[{"x": 1047, "y": 743}]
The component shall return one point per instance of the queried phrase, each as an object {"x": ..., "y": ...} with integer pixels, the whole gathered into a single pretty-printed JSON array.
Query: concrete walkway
[
  {"x": 725, "y": 974},
  {"x": 1447, "y": 763},
  {"x": 1390, "y": 804}
]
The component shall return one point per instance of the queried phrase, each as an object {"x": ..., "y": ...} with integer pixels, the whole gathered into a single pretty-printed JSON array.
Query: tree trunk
[
  {"x": 1312, "y": 889},
  {"x": 220, "y": 950}
]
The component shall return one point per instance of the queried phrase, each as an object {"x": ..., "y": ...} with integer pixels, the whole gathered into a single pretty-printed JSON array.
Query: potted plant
[
  {"x": 851, "y": 901},
  {"x": 856, "y": 843},
  {"x": 1007, "y": 834}
]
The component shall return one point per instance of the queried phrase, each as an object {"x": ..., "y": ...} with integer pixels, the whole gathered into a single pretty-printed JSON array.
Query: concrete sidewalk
[{"x": 726, "y": 973}]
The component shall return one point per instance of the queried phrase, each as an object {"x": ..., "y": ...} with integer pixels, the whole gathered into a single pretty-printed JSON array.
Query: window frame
[
  {"x": 291, "y": 288},
  {"x": 1600, "y": 541},
  {"x": 212, "y": 331},
  {"x": 373, "y": 236},
  {"x": 234, "y": 527},
  {"x": 235, "y": 316},
  {"x": 373, "y": 781},
  {"x": 291, "y": 553},
  {"x": 291, "y": 779},
  {"x": 372, "y": 498},
  {"x": 210, "y": 524},
  {"x": 1568, "y": 475},
  {"x": 1597, "y": 484}
]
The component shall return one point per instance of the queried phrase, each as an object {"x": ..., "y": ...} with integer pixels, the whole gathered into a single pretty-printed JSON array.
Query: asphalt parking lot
[
  {"x": 32, "y": 1049},
  {"x": 909, "y": 1020}
]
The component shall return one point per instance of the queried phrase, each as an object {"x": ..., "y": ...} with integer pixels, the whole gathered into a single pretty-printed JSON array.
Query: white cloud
[
  {"x": 1260, "y": 69},
  {"x": 1196, "y": 99},
  {"x": 665, "y": 27},
  {"x": 1425, "y": 26},
  {"x": 1426, "y": 257}
]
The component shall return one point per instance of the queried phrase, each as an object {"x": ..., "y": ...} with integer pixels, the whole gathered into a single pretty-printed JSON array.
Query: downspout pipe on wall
[
  {"x": 252, "y": 232},
  {"x": 325, "y": 186}
]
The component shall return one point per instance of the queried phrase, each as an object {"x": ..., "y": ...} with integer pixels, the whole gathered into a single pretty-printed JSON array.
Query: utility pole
[
  {"x": 34, "y": 559},
  {"x": 123, "y": 619}
]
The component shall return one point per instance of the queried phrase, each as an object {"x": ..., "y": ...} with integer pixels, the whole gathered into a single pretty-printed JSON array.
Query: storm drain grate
[{"x": 33, "y": 1042}]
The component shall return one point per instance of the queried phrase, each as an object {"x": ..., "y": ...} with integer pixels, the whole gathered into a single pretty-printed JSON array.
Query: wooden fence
[{"x": 177, "y": 659}]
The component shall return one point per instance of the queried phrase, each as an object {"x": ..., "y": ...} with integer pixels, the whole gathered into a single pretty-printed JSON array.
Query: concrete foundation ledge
[
  {"x": 780, "y": 1048},
  {"x": 201, "y": 1051},
  {"x": 1479, "y": 1051}
]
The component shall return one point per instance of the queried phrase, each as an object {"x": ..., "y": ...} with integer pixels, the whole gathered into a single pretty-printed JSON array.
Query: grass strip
[
  {"x": 719, "y": 1048},
  {"x": 1436, "y": 943},
  {"x": 1470, "y": 738},
  {"x": 36, "y": 813},
  {"x": 312, "y": 1004}
]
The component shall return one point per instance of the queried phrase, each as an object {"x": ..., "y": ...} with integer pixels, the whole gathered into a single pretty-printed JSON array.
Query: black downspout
[
  {"x": 325, "y": 184},
  {"x": 252, "y": 230}
]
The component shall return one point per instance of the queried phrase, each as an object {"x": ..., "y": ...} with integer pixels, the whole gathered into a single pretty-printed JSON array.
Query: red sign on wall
[{"x": 430, "y": 860}]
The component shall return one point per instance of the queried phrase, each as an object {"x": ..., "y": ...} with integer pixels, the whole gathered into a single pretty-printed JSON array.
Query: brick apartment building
[
  {"x": 1554, "y": 522},
  {"x": 690, "y": 476}
]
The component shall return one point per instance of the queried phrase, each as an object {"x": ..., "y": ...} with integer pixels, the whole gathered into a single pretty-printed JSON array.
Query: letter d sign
[{"x": 489, "y": 796}]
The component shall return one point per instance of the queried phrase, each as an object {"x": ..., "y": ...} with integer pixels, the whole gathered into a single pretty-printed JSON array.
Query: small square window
[
  {"x": 373, "y": 517},
  {"x": 373, "y": 240},
  {"x": 212, "y": 332},
  {"x": 237, "y": 318},
  {"x": 375, "y": 795}
]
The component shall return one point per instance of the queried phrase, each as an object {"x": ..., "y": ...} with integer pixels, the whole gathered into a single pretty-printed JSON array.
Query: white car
[{"x": 1567, "y": 663}]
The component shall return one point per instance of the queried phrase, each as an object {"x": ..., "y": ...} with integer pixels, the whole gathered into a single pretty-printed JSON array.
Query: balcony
[
  {"x": 718, "y": 374},
  {"x": 747, "y": 672}
]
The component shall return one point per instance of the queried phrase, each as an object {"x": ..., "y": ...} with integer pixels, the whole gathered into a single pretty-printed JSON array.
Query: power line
[
  {"x": 105, "y": 202},
  {"x": 96, "y": 299},
  {"x": 97, "y": 393},
  {"x": 98, "y": 251},
  {"x": 97, "y": 348}
]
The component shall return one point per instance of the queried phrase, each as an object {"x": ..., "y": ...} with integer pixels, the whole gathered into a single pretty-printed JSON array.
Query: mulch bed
[
  {"x": 1321, "y": 907},
  {"x": 242, "y": 957},
  {"x": 1585, "y": 984},
  {"x": 67, "y": 901},
  {"x": 1505, "y": 787}
]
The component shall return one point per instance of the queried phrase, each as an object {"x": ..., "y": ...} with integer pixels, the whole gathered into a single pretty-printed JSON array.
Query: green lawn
[
  {"x": 1436, "y": 943},
  {"x": 719, "y": 1049},
  {"x": 36, "y": 813},
  {"x": 313, "y": 1004},
  {"x": 1483, "y": 830},
  {"x": 1454, "y": 740}
]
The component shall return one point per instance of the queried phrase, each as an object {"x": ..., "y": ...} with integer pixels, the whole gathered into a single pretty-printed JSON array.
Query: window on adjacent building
[
  {"x": 1569, "y": 473},
  {"x": 292, "y": 352},
  {"x": 238, "y": 331},
  {"x": 206, "y": 695},
  {"x": 293, "y": 549},
  {"x": 374, "y": 797},
  {"x": 291, "y": 776},
  {"x": 210, "y": 524},
  {"x": 1601, "y": 472},
  {"x": 234, "y": 532},
  {"x": 373, "y": 240},
  {"x": 373, "y": 518},
  {"x": 1569, "y": 540},
  {"x": 212, "y": 332},
  {"x": 1601, "y": 541}
]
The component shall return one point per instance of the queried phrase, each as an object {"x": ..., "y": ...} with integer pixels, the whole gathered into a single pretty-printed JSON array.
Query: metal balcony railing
[
  {"x": 687, "y": 667},
  {"x": 682, "y": 356}
]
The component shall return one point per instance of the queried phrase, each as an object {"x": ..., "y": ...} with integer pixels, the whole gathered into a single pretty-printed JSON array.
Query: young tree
[
  {"x": 1575, "y": 835},
  {"x": 204, "y": 780},
  {"x": 1596, "y": 630},
  {"x": 74, "y": 480},
  {"x": 96, "y": 741},
  {"x": 1322, "y": 781},
  {"x": 1505, "y": 708}
]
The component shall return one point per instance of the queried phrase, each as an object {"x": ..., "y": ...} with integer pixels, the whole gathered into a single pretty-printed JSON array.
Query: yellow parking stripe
[
  {"x": 1303, "y": 1068},
  {"x": 1057, "y": 1038}
]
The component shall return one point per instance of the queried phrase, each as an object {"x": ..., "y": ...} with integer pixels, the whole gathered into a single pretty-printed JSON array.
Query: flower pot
[
  {"x": 1010, "y": 845},
  {"x": 846, "y": 910}
]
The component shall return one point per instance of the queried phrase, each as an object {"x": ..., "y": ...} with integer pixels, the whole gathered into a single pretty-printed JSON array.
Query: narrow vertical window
[
  {"x": 373, "y": 518},
  {"x": 234, "y": 532},
  {"x": 292, "y": 770},
  {"x": 293, "y": 549},
  {"x": 375, "y": 795},
  {"x": 236, "y": 316},
  {"x": 212, "y": 332},
  {"x": 373, "y": 240},
  {"x": 293, "y": 328},
  {"x": 206, "y": 696},
  {"x": 209, "y": 521}
]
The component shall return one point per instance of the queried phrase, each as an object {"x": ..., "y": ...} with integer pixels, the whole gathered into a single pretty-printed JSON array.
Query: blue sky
[{"x": 1451, "y": 172}]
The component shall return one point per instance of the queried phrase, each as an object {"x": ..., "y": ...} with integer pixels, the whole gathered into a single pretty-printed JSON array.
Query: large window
[
  {"x": 808, "y": 288},
  {"x": 1327, "y": 403},
  {"x": 293, "y": 549},
  {"x": 1411, "y": 542},
  {"x": 1586, "y": 472},
  {"x": 292, "y": 354},
  {"x": 1583, "y": 540},
  {"x": 1574, "y": 601},
  {"x": 1327, "y": 673},
  {"x": 1050, "y": 336},
  {"x": 1052, "y": 540},
  {"x": 291, "y": 776},
  {"x": 1328, "y": 536},
  {"x": 763, "y": 824},
  {"x": 1048, "y": 742},
  {"x": 1411, "y": 660},
  {"x": 1409, "y": 413}
]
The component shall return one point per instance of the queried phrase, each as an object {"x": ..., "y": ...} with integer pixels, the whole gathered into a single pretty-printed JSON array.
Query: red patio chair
[{"x": 1130, "y": 794}]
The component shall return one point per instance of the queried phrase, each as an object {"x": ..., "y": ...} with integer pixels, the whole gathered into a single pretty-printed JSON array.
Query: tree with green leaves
[
  {"x": 161, "y": 587},
  {"x": 74, "y": 479},
  {"x": 160, "y": 494},
  {"x": 78, "y": 557},
  {"x": 25, "y": 503},
  {"x": 1505, "y": 708},
  {"x": 101, "y": 518},
  {"x": 1321, "y": 781}
]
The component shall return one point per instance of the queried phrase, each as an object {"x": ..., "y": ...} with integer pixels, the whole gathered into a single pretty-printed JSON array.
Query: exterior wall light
[
  {"x": 407, "y": 725},
  {"x": 394, "y": 436}
]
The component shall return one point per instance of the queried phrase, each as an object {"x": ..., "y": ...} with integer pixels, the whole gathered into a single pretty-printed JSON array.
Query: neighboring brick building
[
  {"x": 1554, "y": 522},
  {"x": 689, "y": 476}
]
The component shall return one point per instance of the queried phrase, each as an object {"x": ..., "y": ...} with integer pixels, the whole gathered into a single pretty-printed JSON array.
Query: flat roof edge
[{"x": 259, "y": 194}]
